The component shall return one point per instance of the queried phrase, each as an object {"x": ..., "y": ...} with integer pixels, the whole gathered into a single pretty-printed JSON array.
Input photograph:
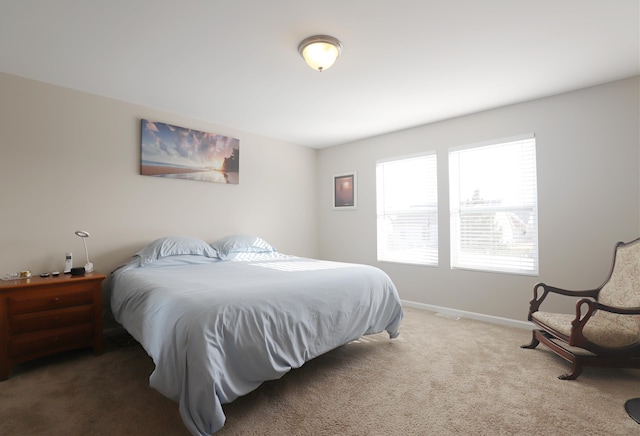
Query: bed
[{"x": 219, "y": 319}]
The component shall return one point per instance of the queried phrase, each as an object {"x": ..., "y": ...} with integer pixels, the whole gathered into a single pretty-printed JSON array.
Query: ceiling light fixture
[{"x": 320, "y": 51}]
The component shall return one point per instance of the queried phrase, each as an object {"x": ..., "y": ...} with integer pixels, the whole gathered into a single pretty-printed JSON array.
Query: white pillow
[
  {"x": 173, "y": 246},
  {"x": 241, "y": 244}
]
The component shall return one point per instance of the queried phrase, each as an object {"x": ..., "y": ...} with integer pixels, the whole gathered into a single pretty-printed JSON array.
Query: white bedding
[{"x": 216, "y": 329}]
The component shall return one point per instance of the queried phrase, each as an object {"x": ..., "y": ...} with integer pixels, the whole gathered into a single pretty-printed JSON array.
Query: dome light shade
[{"x": 320, "y": 51}]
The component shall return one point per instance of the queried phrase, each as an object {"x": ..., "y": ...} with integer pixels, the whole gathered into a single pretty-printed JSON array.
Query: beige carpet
[{"x": 440, "y": 377}]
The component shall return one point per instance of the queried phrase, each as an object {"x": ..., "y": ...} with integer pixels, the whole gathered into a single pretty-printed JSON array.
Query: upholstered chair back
[{"x": 623, "y": 287}]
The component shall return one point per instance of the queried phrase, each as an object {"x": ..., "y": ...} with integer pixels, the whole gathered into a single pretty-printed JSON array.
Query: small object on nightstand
[
  {"x": 77, "y": 271},
  {"x": 68, "y": 262},
  {"x": 55, "y": 273},
  {"x": 84, "y": 235},
  {"x": 44, "y": 275},
  {"x": 11, "y": 276}
]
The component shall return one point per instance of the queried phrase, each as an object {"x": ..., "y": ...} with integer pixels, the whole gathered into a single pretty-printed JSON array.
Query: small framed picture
[{"x": 345, "y": 191}]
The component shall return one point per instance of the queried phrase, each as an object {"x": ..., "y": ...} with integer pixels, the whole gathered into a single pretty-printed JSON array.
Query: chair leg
[
  {"x": 576, "y": 370},
  {"x": 534, "y": 341}
]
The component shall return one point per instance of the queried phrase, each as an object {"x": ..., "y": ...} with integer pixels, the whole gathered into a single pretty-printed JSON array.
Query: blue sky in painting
[{"x": 172, "y": 145}]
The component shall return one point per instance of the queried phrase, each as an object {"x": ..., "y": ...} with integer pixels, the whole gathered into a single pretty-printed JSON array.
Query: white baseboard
[{"x": 471, "y": 315}]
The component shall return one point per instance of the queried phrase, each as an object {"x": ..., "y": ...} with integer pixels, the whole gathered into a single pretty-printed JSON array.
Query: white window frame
[{"x": 501, "y": 234}]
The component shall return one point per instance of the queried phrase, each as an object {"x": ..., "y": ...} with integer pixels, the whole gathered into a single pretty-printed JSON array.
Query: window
[
  {"x": 494, "y": 210},
  {"x": 407, "y": 209}
]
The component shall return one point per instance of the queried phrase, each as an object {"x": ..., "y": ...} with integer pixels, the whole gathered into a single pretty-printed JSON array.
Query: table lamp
[{"x": 88, "y": 267}]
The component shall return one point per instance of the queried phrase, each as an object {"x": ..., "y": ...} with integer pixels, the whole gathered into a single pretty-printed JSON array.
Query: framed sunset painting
[
  {"x": 180, "y": 153},
  {"x": 345, "y": 194}
]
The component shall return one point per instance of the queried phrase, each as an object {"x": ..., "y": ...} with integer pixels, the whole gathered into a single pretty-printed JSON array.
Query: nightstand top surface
[{"x": 36, "y": 280}]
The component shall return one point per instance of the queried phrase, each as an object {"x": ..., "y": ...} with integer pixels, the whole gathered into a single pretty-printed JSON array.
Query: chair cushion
[{"x": 603, "y": 328}]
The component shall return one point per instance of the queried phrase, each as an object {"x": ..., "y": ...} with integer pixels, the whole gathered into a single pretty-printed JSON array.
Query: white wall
[
  {"x": 70, "y": 160},
  {"x": 588, "y": 188}
]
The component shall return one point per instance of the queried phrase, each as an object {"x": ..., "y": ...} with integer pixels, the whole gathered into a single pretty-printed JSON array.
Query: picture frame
[
  {"x": 180, "y": 153},
  {"x": 345, "y": 191}
]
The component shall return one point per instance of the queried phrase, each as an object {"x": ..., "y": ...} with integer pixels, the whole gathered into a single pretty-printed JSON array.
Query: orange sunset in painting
[
  {"x": 180, "y": 153},
  {"x": 344, "y": 194}
]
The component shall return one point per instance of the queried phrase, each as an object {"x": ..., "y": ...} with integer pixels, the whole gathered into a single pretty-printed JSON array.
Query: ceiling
[{"x": 404, "y": 63}]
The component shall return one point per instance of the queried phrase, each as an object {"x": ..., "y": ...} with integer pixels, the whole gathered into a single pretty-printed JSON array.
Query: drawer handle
[{"x": 55, "y": 300}]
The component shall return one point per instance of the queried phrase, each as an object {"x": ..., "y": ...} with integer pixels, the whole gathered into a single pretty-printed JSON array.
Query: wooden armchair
[{"x": 605, "y": 330}]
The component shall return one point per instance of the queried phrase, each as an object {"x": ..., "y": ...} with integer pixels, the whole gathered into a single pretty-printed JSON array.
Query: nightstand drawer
[
  {"x": 50, "y": 319},
  {"x": 46, "y": 341},
  {"x": 73, "y": 296}
]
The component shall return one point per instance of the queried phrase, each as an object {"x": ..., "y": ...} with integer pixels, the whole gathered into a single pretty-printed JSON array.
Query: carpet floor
[{"x": 440, "y": 377}]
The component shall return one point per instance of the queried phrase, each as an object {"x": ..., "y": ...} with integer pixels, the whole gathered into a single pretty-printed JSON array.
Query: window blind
[
  {"x": 494, "y": 207},
  {"x": 407, "y": 210}
]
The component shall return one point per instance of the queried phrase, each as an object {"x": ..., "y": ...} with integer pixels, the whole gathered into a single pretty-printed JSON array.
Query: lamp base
[
  {"x": 88, "y": 267},
  {"x": 632, "y": 407}
]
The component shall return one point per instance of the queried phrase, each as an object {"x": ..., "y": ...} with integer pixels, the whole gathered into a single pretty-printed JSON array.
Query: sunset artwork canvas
[
  {"x": 180, "y": 153},
  {"x": 344, "y": 191}
]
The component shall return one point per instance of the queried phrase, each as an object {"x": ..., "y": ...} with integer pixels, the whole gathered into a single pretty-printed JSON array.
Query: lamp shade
[{"x": 320, "y": 51}]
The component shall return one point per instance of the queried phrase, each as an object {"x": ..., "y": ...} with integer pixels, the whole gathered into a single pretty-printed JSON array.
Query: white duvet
[{"x": 217, "y": 329}]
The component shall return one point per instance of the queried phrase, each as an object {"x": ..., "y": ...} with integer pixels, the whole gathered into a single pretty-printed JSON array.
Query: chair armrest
[
  {"x": 590, "y": 293},
  {"x": 581, "y": 319},
  {"x": 577, "y": 337},
  {"x": 534, "y": 304},
  {"x": 620, "y": 310}
]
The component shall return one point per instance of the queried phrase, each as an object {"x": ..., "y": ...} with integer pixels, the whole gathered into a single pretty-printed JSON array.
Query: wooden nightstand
[{"x": 46, "y": 315}]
